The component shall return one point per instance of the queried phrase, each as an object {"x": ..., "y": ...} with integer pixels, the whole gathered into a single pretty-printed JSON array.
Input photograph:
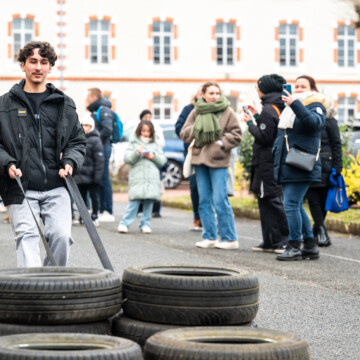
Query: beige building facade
[{"x": 156, "y": 53}]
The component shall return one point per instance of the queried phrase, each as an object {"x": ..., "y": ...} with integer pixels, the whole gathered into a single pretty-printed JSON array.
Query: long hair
[
  {"x": 311, "y": 81},
  {"x": 149, "y": 124},
  {"x": 208, "y": 84}
]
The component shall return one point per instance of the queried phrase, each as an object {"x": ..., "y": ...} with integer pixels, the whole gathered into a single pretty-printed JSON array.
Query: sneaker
[
  {"x": 280, "y": 250},
  {"x": 96, "y": 222},
  {"x": 156, "y": 214},
  {"x": 196, "y": 226},
  {"x": 75, "y": 222},
  {"x": 261, "y": 248},
  {"x": 206, "y": 243},
  {"x": 227, "y": 245},
  {"x": 146, "y": 229},
  {"x": 106, "y": 217},
  {"x": 3, "y": 208},
  {"x": 122, "y": 228}
]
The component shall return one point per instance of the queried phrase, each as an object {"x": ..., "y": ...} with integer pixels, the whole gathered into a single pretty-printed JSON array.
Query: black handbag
[{"x": 299, "y": 158}]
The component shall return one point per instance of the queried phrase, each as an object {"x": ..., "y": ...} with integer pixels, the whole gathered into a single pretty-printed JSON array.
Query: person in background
[
  {"x": 94, "y": 101},
  {"x": 194, "y": 194},
  {"x": 274, "y": 224},
  {"x": 88, "y": 178},
  {"x": 145, "y": 156},
  {"x": 216, "y": 130},
  {"x": 301, "y": 121},
  {"x": 331, "y": 157},
  {"x": 159, "y": 135}
]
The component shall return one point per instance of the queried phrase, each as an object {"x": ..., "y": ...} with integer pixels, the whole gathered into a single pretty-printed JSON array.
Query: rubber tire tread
[
  {"x": 193, "y": 344},
  {"x": 117, "y": 348},
  {"x": 136, "y": 330},
  {"x": 99, "y": 328},
  {"x": 58, "y": 295}
]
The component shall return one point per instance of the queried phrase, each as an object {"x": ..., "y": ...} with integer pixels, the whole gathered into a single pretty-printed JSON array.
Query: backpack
[{"x": 117, "y": 125}]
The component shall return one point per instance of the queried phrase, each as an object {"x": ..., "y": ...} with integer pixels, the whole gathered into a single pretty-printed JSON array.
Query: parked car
[{"x": 174, "y": 151}]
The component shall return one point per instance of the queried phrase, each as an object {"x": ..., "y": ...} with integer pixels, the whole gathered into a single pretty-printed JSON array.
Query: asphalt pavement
[{"x": 317, "y": 300}]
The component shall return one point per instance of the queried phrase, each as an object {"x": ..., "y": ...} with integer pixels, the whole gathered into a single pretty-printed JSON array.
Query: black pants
[
  {"x": 274, "y": 223},
  {"x": 93, "y": 190},
  {"x": 317, "y": 199}
]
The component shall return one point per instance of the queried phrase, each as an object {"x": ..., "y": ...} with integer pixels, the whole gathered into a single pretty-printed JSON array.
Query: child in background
[
  {"x": 146, "y": 157},
  {"x": 88, "y": 178}
]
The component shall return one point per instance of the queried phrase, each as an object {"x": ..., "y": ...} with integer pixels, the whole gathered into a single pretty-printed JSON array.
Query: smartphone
[
  {"x": 286, "y": 87},
  {"x": 246, "y": 110}
]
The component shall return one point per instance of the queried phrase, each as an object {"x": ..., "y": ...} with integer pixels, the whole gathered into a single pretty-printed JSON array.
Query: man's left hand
[{"x": 64, "y": 172}]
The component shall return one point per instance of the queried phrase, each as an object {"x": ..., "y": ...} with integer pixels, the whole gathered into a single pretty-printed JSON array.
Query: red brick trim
[
  {"x": 37, "y": 32},
  {"x": 9, "y": 51},
  {"x": 9, "y": 28}
]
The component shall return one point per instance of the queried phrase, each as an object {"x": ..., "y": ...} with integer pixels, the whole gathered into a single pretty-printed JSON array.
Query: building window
[
  {"x": 162, "y": 106},
  {"x": 288, "y": 44},
  {"x": 346, "y": 36},
  {"x": 347, "y": 109},
  {"x": 99, "y": 41},
  {"x": 23, "y": 32},
  {"x": 162, "y": 32},
  {"x": 225, "y": 43}
]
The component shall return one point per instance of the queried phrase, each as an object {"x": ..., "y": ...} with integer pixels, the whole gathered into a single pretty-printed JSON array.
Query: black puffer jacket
[
  {"x": 262, "y": 167},
  {"x": 331, "y": 152},
  {"x": 105, "y": 125},
  {"x": 93, "y": 168},
  {"x": 38, "y": 148}
]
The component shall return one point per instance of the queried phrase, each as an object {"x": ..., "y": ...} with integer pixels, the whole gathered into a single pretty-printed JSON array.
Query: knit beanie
[
  {"x": 88, "y": 120},
  {"x": 145, "y": 112},
  {"x": 271, "y": 83}
]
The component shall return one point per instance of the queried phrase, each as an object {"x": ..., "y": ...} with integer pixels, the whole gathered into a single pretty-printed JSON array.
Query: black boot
[
  {"x": 292, "y": 252},
  {"x": 310, "y": 249},
  {"x": 323, "y": 237}
]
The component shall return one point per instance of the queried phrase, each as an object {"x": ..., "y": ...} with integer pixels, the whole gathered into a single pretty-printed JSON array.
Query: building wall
[{"x": 133, "y": 79}]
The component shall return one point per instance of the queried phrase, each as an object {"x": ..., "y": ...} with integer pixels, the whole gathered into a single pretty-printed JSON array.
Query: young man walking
[
  {"x": 96, "y": 103},
  {"x": 41, "y": 141}
]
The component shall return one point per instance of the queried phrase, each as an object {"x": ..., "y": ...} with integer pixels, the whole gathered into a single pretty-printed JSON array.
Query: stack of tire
[
  {"x": 62, "y": 313},
  {"x": 196, "y": 312}
]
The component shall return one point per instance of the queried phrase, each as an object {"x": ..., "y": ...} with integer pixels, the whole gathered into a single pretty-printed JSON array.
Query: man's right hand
[{"x": 13, "y": 171}]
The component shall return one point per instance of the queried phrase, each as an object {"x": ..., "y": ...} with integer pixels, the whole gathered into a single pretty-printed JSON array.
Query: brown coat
[{"x": 214, "y": 155}]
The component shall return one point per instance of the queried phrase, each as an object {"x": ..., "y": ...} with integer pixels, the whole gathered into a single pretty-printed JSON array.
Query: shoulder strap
[
  {"x": 98, "y": 114},
  {"x": 277, "y": 110}
]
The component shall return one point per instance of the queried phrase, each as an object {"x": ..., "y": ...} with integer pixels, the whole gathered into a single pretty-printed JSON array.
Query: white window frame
[
  {"x": 346, "y": 38},
  {"x": 222, "y": 34},
  {"x": 99, "y": 33},
  {"x": 288, "y": 37},
  {"x": 346, "y": 107},
  {"x": 23, "y": 32},
  {"x": 161, "y": 34},
  {"x": 162, "y": 106}
]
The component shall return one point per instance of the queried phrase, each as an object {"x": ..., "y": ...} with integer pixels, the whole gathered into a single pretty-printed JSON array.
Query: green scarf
[{"x": 207, "y": 128}]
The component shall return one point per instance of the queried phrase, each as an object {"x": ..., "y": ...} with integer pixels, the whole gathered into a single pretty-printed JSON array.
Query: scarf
[
  {"x": 287, "y": 117},
  {"x": 207, "y": 128},
  {"x": 145, "y": 140}
]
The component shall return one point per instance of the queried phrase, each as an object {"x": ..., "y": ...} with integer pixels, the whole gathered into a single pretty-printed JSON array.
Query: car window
[{"x": 170, "y": 134}]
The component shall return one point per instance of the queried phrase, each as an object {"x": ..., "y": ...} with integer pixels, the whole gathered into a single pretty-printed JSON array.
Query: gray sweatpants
[{"x": 54, "y": 208}]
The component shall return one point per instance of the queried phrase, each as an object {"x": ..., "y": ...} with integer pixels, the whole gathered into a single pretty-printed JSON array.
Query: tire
[
  {"x": 172, "y": 176},
  {"x": 187, "y": 295},
  {"x": 58, "y": 346},
  {"x": 58, "y": 295},
  {"x": 99, "y": 328},
  {"x": 136, "y": 330},
  {"x": 225, "y": 343}
]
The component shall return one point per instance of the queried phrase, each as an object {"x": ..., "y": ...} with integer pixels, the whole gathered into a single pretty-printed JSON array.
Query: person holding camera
[
  {"x": 274, "y": 224},
  {"x": 298, "y": 135}
]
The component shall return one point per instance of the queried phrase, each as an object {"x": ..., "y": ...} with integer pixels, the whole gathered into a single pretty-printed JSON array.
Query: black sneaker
[{"x": 262, "y": 248}]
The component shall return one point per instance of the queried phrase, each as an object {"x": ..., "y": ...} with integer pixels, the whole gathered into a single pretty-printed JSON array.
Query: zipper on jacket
[{"x": 41, "y": 149}]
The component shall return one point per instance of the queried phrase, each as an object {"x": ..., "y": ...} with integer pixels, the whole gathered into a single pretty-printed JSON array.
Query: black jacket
[
  {"x": 105, "y": 126},
  {"x": 262, "y": 167},
  {"x": 38, "y": 147},
  {"x": 93, "y": 168},
  {"x": 331, "y": 152},
  {"x": 181, "y": 121}
]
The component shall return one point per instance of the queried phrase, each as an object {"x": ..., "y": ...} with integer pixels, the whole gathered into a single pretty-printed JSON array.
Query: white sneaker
[
  {"x": 3, "y": 208},
  {"x": 227, "y": 245},
  {"x": 146, "y": 229},
  {"x": 122, "y": 229},
  {"x": 96, "y": 222},
  {"x": 106, "y": 217},
  {"x": 75, "y": 222},
  {"x": 206, "y": 243}
]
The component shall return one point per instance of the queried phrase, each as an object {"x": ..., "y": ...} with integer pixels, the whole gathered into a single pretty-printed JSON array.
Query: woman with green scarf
[{"x": 215, "y": 130}]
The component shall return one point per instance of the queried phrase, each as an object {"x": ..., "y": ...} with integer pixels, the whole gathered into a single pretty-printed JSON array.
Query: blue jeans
[
  {"x": 194, "y": 196},
  {"x": 212, "y": 189},
  {"x": 132, "y": 210},
  {"x": 105, "y": 191},
  {"x": 299, "y": 222}
]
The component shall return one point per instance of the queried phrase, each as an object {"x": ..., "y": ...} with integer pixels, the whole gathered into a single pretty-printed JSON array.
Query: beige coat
[{"x": 214, "y": 155}]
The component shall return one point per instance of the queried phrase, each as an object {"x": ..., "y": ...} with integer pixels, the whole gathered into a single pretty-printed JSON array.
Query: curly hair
[{"x": 45, "y": 50}]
